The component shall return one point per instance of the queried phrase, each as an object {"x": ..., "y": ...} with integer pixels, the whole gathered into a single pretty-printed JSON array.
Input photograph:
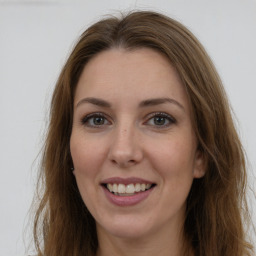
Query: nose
[{"x": 125, "y": 149}]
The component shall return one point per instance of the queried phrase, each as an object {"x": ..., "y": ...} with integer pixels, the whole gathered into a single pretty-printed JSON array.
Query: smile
[{"x": 127, "y": 190}]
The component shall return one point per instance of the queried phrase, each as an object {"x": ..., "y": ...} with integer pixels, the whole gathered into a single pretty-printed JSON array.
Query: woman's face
[{"x": 132, "y": 143}]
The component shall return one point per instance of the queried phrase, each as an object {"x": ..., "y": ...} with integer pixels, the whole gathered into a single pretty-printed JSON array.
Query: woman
[{"x": 141, "y": 155}]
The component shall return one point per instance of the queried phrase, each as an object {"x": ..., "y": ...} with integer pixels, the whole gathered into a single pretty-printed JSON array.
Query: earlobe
[
  {"x": 200, "y": 164},
  {"x": 72, "y": 169}
]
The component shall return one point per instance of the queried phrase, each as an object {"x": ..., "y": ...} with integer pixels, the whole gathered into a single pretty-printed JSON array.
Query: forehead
[{"x": 137, "y": 74}]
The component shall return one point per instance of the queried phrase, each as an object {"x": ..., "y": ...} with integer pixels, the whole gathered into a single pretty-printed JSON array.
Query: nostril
[
  {"x": 126, "y": 155},
  {"x": 123, "y": 163}
]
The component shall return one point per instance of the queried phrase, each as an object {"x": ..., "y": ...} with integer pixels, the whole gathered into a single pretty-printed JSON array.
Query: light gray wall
[{"x": 35, "y": 39}]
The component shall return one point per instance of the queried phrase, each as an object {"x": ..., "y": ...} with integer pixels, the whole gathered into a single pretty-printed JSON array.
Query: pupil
[
  {"x": 98, "y": 120},
  {"x": 159, "y": 120}
]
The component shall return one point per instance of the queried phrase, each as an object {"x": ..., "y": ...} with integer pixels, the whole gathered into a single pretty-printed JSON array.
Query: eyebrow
[
  {"x": 144, "y": 103},
  {"x": 158, "y": 101},
  {"x": 95, "y": 101}
]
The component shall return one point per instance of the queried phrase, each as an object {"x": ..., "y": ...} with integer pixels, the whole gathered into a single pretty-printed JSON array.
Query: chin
[
  {"x": 127, "y": 228},
  {"x": 128, "y": 233}
]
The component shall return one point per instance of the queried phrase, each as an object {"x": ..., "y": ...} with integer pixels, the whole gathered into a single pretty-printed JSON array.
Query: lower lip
[{"x": 127, "y": 200}]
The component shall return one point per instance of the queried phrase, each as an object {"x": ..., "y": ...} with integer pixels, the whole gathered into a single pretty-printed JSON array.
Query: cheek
[
  {"x": 86, "y": 154},
  {"x": 87, "y": 160},
  {"x": 174, "y": 157},
  {"x": 173, "y": 162}
]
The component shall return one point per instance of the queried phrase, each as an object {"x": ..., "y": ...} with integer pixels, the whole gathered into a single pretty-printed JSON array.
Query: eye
[
  {"x": 160, "y": 120},
  {"x": 95, "y": 120}
]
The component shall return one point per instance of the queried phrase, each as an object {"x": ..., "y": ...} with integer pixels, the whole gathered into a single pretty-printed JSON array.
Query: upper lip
[{"x": 126, "y": 181}]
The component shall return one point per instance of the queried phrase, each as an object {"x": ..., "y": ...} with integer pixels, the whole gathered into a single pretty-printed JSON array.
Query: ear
[{"x": 200, "y": 164}]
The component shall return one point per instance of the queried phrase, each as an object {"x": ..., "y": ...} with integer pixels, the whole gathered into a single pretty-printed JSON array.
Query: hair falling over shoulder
[{"x": 216, "y": 214}]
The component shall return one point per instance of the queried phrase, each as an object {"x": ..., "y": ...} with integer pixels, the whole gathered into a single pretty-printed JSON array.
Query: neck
[{"x": 169, "y": 244}]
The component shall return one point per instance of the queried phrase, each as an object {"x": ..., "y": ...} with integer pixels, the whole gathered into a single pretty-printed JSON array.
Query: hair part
[{"x": 214, "y": 217}]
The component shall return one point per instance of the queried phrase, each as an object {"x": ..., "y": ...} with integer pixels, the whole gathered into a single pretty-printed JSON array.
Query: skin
[{"x": 129, "y": 142}]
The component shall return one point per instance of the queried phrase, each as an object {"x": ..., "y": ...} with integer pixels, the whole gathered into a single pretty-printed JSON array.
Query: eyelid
[
  {"x": 86, "y": 118},
  {"x": 171, "y": 119}
]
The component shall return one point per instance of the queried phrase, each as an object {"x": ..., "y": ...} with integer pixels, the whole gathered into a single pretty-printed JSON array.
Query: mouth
[
  {"x": 120, "y": 189},
  {"x": 124, "y": 192}
]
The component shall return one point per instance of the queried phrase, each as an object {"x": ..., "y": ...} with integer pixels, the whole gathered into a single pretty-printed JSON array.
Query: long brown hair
[{"x": 216, "y": 205}]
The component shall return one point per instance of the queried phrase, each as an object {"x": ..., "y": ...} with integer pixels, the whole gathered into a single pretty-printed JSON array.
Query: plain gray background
[{"x": 35, "y": 39}]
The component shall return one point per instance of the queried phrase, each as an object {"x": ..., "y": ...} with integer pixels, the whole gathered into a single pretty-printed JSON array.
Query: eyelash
[
  {"x": 85, "y": 120},
  {"x": 92, "y": 116},
  {"x": 166, "y": 117}
]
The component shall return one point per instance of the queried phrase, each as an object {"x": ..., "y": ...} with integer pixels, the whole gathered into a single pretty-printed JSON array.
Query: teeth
[
  {"x": 110, "y": 187},
  {"x": 127, "y": 189},
  {"x": 130, "y": 188},
  {"x": 121, "y": 188},
  {"x": 137, "y": 187},
  {"x": 114, "y": 188}
]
